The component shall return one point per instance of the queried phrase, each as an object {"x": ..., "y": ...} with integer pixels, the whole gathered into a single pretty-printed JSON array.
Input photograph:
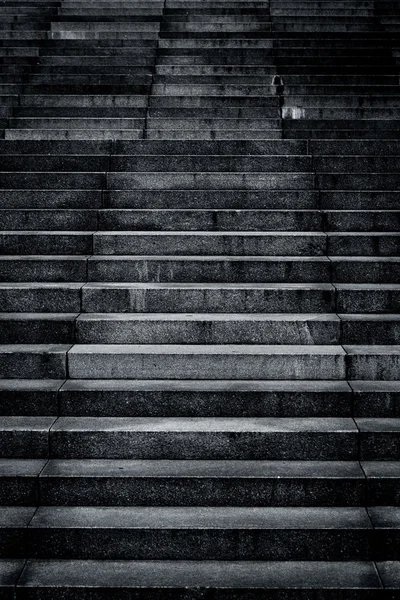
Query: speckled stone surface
[{"x": 199, "y": 300}]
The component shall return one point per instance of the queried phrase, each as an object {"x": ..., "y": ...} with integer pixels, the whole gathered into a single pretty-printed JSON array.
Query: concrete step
[
  {"x": 51, "y": 199},
  {"x": 210, "y": 133},
  {"x": 19, "y": 481},
  {"x": 235, "y": 164},
  {"x": 191, "y": 297},
  {"x": 358, "y": 200},
  {"x": 120, "y": 148},
  {"x": 200, "y": 483},
  {"x": 171, "y": 163},
  {"x": 76, "y": 123},
  {"x": 203, "y": 438},
  {"x": 25, "y": 437},
  {"x": 46, "y": 242},
  {"x": 200, "y": 328},
  {"x": 167, "y": 398},
  {"x": 29, "y": 397},
  {"x": 216, "y": 398},
  {"x": 361, "y": 221},
  {"x": 209, "y": 243},
  {"x": 73, "y": 134},
  {"x": 154, "y": 328},
  {"x": 321, "y": 533},
  {"x": 42, "y": 268},
  {"x": 91, "y": 361},
  {"x": 73, "y": 220},
  {"x": 210, "y": 269},
  {"x": 37, "y": 328},
  {"x": 186, "y": 180},
  {"x": 241, "y": 576},
  {"x": 191, "y": 220},
  {"x": 34, "y": 361}
]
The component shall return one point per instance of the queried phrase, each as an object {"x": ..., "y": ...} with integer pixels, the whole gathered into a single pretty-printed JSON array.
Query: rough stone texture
[{"x": 199, "y": 296}]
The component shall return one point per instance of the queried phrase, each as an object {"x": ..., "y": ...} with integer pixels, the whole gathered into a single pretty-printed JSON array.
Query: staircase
[{"x": 200, "y": 296}]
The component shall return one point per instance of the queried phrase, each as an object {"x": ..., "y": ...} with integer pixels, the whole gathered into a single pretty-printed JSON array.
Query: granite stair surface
[{"x": 199, "y": 299}]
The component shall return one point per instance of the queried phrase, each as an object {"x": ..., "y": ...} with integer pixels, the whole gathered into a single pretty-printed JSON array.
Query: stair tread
[
  {"x": 202, "y": 517},
  {"x": 200, "y": 574},
  {"x": 188, "y": 468},
  {"x": 199, "y": 424}
]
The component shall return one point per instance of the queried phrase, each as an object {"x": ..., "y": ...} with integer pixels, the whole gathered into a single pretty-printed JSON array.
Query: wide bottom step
[{"x": 185, "y": 580}]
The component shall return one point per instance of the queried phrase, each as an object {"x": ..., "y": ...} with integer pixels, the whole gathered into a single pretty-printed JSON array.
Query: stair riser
[
  {"x": 109, "y": 366},
  {"x": 205, "y": 446},
  {"x": 110, "y": 269},
  {"x": 203, "y": 333},
  {"x": 189, "y": 545},
  {"x": 196, "y": 404},
  {"x": 194, "y": 492}
]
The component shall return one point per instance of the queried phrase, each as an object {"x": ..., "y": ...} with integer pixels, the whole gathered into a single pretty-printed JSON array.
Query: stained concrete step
[
  {"x": 206, "y": 269},
  {"x": 120, "y": 297},
  {"x": 240, "y": 578},
  {"x": 191, "y": 297},
  {"x": 172, "y": 328},
  {"x": 202, "y": 329},
  {"x": 320, "y": 533},
  {"x": 203, "y": 438},
  {"x": 91, "y": 361},
  {"x": 316, "y": 362},
  {"x": 34, "y": 361},
  {"x": 213, "y": 269},
  {"x": 372, "y": 362},
  {"x": 232, "y": 328}
]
